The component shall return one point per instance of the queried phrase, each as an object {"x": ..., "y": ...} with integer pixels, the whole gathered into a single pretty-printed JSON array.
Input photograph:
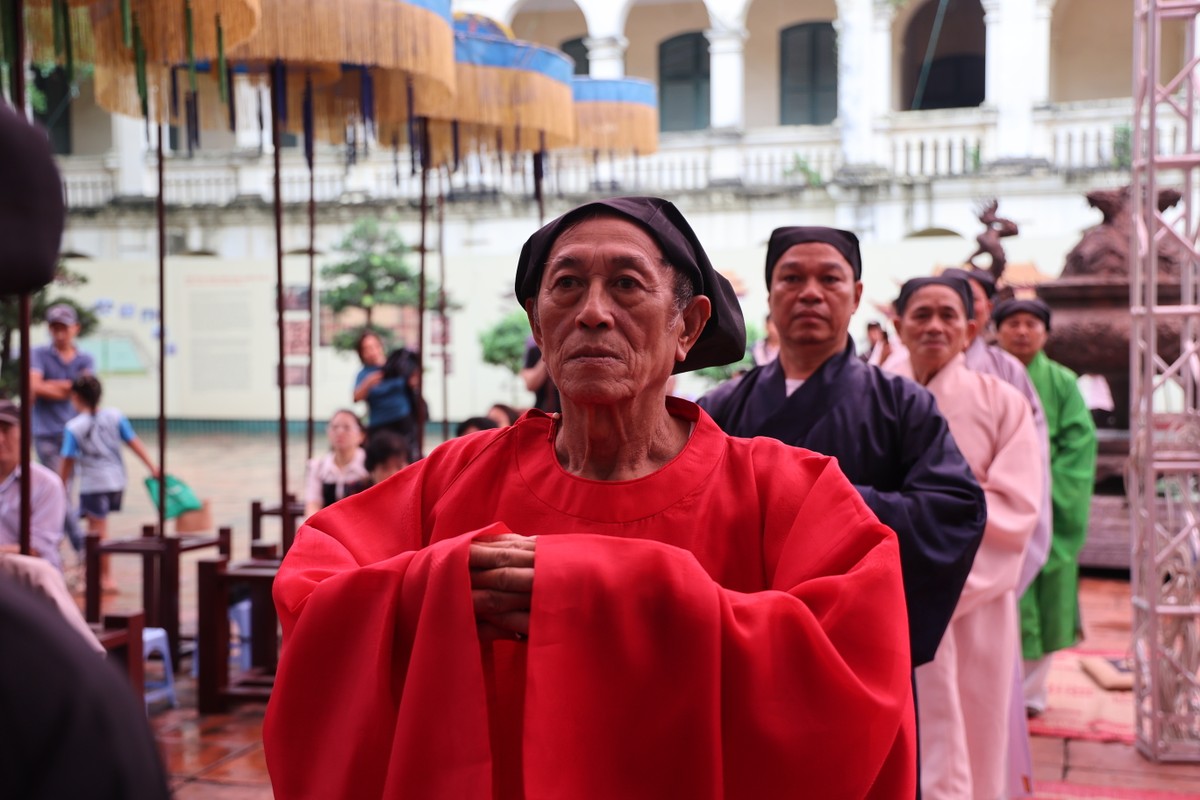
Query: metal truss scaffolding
[{"x": 1164, "y": 467}]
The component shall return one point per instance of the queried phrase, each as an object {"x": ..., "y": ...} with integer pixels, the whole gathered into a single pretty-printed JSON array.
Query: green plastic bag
[{"x": 180, "y": 497}]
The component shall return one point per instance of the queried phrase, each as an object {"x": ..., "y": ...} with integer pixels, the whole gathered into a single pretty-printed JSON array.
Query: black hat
[
  {"x": 10, "y": 413},
  {"x": 1035, "y": 306},
  {"x": 723, "y": 340},
  {"x": 32, "y": 210},
  {"x": 980, "y": 276},
  {"x": 959, "y": 285},
  {"x": 783, "y": 239}
]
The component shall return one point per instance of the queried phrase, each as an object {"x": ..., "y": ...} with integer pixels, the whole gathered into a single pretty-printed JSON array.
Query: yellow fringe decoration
[
  {"x": 39, "y": 34},
  {"x": 381, "y": 33},
  {"x": 164, "y": 29},
  {"x": 495, "y": 107},
  {"x": 617, "y": 127}
]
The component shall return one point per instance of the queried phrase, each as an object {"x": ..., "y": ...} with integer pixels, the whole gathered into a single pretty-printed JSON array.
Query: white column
[
  {"x": 606, "y": 56},
  {"x": 727, "y": 82},
  {"x": 245, "y": 100},
  {"x": 882, "y": 73},
  {"x": 855, "y": 93},
  {"x": 128, "y": 155},
  {"x": 1039, "y": 51},
  {"x": 1009, "y": 75}
]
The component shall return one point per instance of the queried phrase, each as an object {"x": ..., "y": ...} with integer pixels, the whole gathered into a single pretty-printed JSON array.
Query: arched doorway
[{"x": 955, "y": 74}]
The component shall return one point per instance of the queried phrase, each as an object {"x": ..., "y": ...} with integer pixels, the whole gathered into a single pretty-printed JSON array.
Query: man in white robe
[
  {"x": 963, "y": 696},
  {"x": 991, "y": 359}
]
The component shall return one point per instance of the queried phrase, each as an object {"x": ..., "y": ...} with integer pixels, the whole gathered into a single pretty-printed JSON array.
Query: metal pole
[
  {"x": 423, "y": 126},
  {"x": 26, "y": 428},
  {"x": 441, "y": 245},
  {"x": 18, "y": 98},
  {"x": 18, "y": 78},
  {"x": 160, "y": 209},
  {"x": 276, "y": 99},
  {"x": 312, "y": 289}
]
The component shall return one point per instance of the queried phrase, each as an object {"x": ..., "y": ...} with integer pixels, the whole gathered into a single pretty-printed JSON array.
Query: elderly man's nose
[{"x": 596, "y": 309}]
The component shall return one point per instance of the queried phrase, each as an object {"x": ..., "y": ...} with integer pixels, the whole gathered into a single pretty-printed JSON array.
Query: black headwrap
[
  {"x": 959, "y": 285},
  {"x": 32, "y": 211},
  {"x": 1035, "y": 306},
  {"x": 980, "y": 276},
  {"x": 782, "y": 239},
  {"x": 723, "y": 340}
]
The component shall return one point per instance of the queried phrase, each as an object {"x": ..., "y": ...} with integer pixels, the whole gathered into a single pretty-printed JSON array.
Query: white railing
[
  {"x": 929, "y": 144},
  {"x": 910, "y": 144},
  {"x": 89, "y": 183}
]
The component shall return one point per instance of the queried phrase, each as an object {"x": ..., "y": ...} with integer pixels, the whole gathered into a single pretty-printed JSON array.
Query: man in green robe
[{"x": 1050, "y": 606}]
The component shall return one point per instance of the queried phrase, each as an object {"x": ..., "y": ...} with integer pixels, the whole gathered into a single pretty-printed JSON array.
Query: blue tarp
[
  {"x": 614, "y": 90},
  {"x": 490, "y": 51}
]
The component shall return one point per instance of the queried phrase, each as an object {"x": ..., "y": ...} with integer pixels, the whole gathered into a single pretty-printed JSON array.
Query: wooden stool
[
  {"x": 160, "y": 574},
  {"x": 215, "y": 689}
]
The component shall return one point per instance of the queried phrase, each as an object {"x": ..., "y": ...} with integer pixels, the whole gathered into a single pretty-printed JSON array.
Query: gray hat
[
  {"x": 10, "y": 413},
  {"x": 63, "y": 314}
]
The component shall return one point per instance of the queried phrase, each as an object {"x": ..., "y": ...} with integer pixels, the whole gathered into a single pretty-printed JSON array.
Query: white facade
[{"x": 1053, "y": 78}]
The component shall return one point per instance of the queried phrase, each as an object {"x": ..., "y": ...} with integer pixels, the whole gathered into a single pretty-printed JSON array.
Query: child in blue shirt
[{"x": 93, "y": 439}]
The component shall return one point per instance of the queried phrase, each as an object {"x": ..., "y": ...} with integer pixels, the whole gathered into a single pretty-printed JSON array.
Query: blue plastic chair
[{"x": 154, "y": 640}]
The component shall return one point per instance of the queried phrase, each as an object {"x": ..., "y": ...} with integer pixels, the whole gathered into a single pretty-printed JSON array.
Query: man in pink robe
[{"x": 963, "y": 696}]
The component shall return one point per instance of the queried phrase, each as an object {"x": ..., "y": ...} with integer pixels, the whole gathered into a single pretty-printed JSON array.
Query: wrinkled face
[
  {"x": 1022, "y": 334},
  {"x": 813, "y": 295},
  {"x": 63, "y": 335},
  {"x": 605, "y": 314},
  {"x": 344, "y": 432},
  {"x": 10, "y": 443},
  {"x": 372, "y": 351},
  {"x": 983, "y": 306},
  {"x": 934, "y": 327}
]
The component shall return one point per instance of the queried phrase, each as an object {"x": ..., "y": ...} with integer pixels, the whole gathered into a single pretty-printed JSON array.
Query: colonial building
[{"x": 894, "y": 118}]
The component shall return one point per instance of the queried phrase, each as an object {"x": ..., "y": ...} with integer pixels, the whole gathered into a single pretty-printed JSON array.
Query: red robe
[{"x": 732, "y": 625}]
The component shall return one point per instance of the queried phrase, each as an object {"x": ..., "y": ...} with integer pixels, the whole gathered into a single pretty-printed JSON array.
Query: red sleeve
[
  {"x": 380, "y": 687},
  {"x": 647, "y": 679}
]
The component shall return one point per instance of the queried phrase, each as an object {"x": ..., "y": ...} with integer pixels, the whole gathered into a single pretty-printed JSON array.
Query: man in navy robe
[{"x": 886, "y": 432}]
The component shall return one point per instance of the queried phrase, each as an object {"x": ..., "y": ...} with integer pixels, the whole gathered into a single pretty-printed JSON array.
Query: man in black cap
[
  {"x": 886, "y": 432},
  {"x": 53, "y": 369},
  {"x": 707, "y": 616}
]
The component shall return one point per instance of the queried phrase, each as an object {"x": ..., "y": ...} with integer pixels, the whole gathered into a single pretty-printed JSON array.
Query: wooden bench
[
  {"x": 295, "y": 511},
  {"x": 215, "y": 688},
  {"x": 160, "y": 574}
]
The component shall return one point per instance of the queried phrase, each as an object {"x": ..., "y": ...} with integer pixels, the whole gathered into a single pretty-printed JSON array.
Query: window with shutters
[
  {"x": 808, "y": 74},
  {"x": 683, "y": 83}
]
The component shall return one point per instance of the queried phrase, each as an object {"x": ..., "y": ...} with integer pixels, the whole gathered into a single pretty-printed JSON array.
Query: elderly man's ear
[
  {"x": 534, "y": 327},
  {"x": 694, "y": 318}
]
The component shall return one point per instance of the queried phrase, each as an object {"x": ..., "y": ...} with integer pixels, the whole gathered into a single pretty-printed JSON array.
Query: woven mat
[
  {"x": 1078, "y": 708},
  {"x": 1054, "y": 790}
]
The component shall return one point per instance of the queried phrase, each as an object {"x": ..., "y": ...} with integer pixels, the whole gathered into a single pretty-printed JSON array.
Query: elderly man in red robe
[{"x": 617, "y": 600}]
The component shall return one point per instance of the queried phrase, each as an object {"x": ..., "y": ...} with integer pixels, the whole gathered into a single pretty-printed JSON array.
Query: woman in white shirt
[{"x": 340, "y": 472}]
